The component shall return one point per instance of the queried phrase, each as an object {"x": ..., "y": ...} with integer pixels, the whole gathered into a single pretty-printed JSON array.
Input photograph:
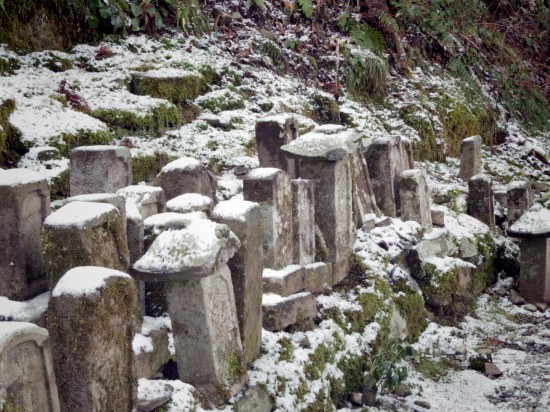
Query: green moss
[
  {"x": 323, "y": 108},
  {"x": 322, "y": 355},
  {"x": 286, "y": 353},
  {"x": 146, "y": 168},
  {"x": 321, "y": 249},
  {"x": 235, "y": 367},
  {"x": 486, "y": 269},
  {"x": 177, "y": 90},
  {"x": 60, "y": 185},
  {"x": 83, "y": 138},
  {"x": 426, "y": 148},
  {"x": 8, "y": 66},
  {"x": 58, "y": 64},
  {"x": 272, "y": 50},
  {"x": 11, "y": 146},
  {"x": 217, "y": 103},
  {"x": 434, "y": 369},
  {"x": 411, "y": 307},
  {"x": 353, "y": 367},
  {"x": 366, "y": 76}
]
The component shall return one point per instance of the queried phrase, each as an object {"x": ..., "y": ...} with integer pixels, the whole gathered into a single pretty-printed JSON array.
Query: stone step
[
  {"x": 297, "y": 310},
  {"x": 313, "y": 277}
]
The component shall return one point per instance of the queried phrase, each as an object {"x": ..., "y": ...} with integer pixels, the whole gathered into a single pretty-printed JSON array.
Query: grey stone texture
[
  {"x": 148, "y": 363},
  {"x": 470, "y": 157},
  {"x": 415, "y": 198},
  {"x": 111, "y": 198},
  {"x": 272, "y": 132},
  {"x": 318, "y": 277},
  {"x": 272, "y": 189},
  {"x": 519, "y": 199},
  {"x": 83, "y": 234},
  {"x": 148, "y": 200},
  {"x": 438, "y": 216},
  {"x": 92, "y": 331},
  {"x": 298, "y": 310},
  {"x": 246, "y": 222},
  {"x": 100, "y": 169},
  {"x": 480, "y": 199},
  {"x": 190, "y": 202},
  {"x": 254, "y": 399},
  {"x": 385, "y": 163},
  {"x": 24, "y": 206},
  {"x": 303, "y": 212},
  {"x": 27, "y": 380},
  {"x": 364, "y": 201},
  {"x": 284, "y": 282},
  {"x": 186, "y": 175}
]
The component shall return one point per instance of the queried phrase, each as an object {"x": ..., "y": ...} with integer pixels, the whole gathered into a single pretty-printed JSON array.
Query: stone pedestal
[
  {"x": 271, "y": 133},
  {"x": 480, "y": 199},
  {"x": 186, "y": 175},
  {"x": 533, "y": 228},
  {"x": 271, "y": 188},
  {"x": 415, "y": 198},
  {"x": 100, "y": 169},
  {"x": 519, "y": 199},
  {"x": 325, "y": 159},
  {"x": 83, "y": 234},
  {"x": 303, "y": 212},
  {"x": 245, "y": 220},
  {"x": 111, "y": 198},
  {"x": 470, "y": 157},
  {"x": 92, "y": 323},
  {"x": 27, "y": 381},
  {"x": 24, "y": 204},
  {"x": 193, "y": 264}
]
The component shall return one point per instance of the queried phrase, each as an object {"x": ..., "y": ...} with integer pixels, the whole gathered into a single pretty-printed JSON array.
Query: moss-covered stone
[
  {"x": 146, "y": 168},
  {"x": 286, "y": 353},
  {"x": 323, "y": 108},
  {"x": 60, "y": 185},
  {"x": 58, "y": 64},
  {"x": 411, "y": 307},
  {"x": 11, "y": 146},
  {"x": 218, "y": 102},
  {"x": 8, "y": 66},
  {"x": 486, "y": 268},
  {"x": 176, "y": 89},
  {"x": 426, "y": 148},
  {"x": 68, "y": 142}
]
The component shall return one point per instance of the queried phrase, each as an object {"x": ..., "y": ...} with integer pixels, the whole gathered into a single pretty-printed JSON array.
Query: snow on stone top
[
  {"x": 189, "y": 202},
  {"x": 517, "y": 184},
  {"x": 271, "y": 299},
  {"x": 16, "y": 177},
  {"x": 172, "y": 218},
  {"x": 329, "y": 129},
  {"x": 9, "y": 330},
  {"x": 411, "y": 173},
  {"x": 280, "y": 119},
  {"x": 319, "y": 144},
  {"x": 482, "y": 177},
  {"x": 94, "y": 197},
  {"x": 138, "y": 190},
  {"x": 183, "y": 163},
  {"x": 194, "y": 251},
  {"x": 167, "y": 72},
  {"x": 447, "y": 263},
  {"x": 262, "y": 173},
  {"x": 282, "y": 273},
  {"x": 24, "y": 311},
  {"x": 233, "y": 209},
  {"x": 138, "y": 195},
  {"x": 534, "y": 222},
  {"x": 79, "y": 214},
  {"x": 120, "y": 150},
  {"x": 85, "y": 280},
  {"x": 472, "y": 138}
]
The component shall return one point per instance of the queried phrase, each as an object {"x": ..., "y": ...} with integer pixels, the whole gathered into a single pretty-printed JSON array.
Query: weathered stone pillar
[
  {"x": 364, "y": 201},
  {"x": 415, "y": 198},
  {"x": 385, "y": 164},
  {"x": 271, "y": 133},
  {"x": 24, "y": 204},
  {"x": 470, "y": 157},
  {"x": 533, "y": 227},
  {"x": 272, "y": 189},
  {"x": 149, "y": 200},
  {"x": 27, "y": 380},
  {"x": 325, "y": 159},
  {"x": 480, "y": 199},
  {"x": 112, "y": 198},
  {"x": 190, "y": 202},
  {"x": 303, "y": 212},
  {"x": 83, "y": 234},
  {"x": 186, "y": 175},
  {"x": 201, "y": 303},
  {"x": 245, "y": 220},
  {"x": 100, "y": 169},
  {"x": 92, "y": 323},
  {"x": 518, "y": 199},
  {"x": 407, "y": 154}
]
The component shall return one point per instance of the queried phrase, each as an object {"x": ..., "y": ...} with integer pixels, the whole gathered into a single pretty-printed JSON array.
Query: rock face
[
  {"x": 245, "y": 220},
  {"x": 27, "y": 381},
  {"x": 83, "y": 234},
  {"x": 100, "y": 169},
  {"x": 24, "y": 206},
  {"x": 201, "y": 303},
  {"x": 271, "y": 133},
  {"x": 303, "y": 212},
  {"x": 415, "y": 198},
  {"x": 91, "y": 320},
  {"x": 271, "y": 189},
  {"x": 480, "y": 199},
  {"x": 519, "y": 199},
  {"x": 186, "y": 175},
  {"x": 470, "y": 157}
]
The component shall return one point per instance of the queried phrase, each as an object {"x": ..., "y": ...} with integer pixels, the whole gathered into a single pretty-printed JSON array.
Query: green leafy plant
[
  {"x": 111, "y": 11},
  {"x": 307, "y": 8},
  {"x": 150, "y": 14},
  {"x": 385, "y": 369}
]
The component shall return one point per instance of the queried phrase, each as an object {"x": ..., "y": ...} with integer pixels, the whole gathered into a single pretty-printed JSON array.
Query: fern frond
[
  {"x": 388, "y": 22},
  {"x": 307, "y": 8}
]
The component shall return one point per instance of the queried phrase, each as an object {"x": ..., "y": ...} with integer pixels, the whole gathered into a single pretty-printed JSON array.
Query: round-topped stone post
[
  {"x": 470, "y": 157},
  {"x": 518, "y": 200},
  {"x": 480, "y": 199},
  {"x": 325, "y": 159},
  {"x": 534, "y": 230},
  {"x": 193, "y": 264},
  {"x": 186, "y": 175}
]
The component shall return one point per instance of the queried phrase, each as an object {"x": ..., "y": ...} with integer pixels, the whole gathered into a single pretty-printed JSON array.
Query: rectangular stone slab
[
  {"x": 298, "y": 310},
  {"x": 303, "y": 212},
  {"x": 519, "y": 199},
  {"x": 470, "y": 157},
  {"x": 535, "y": 269},
  {"x": 272, "y": 132},
  {"x": 480, "y": 199},
  {"x": 415, "y": 198}
]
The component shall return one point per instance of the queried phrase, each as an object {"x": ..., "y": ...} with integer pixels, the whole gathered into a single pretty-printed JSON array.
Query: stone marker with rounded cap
[
  {"x": 470, "y": 157},
  {"x": 533, "y": 227},
  {"x": 480, "y": 199},
  {"x": 325, "y": 159},
  {"x": 415, "y": 198},
  {"x": 193, "y": 264},
  {"x": 24, "y": 206},
  {"x": 245, "y": 220},
  {"x": 27, "y": 380},
  {"x": 186, "y": 175},
  {"x": 190, "y": 202},
  {"x": 100, "y": 169},
  {"x": 92, "y": 321},
  {"x": 518, "y": 200},
  {"x": 83, "y": 234}
]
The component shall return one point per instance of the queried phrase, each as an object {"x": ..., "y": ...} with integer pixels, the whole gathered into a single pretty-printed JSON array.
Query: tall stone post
[
  {"x": 24, "y": 204},
  {"x": 364, "y": 200},
  {"x": 518, "y": 200},
  {"x": 470, "y": 157},
  {"x": 303, "y": 212},
  {"x": 325, "y": 159},
  {"x": 480, "y": 199},
  {"x": 415, "y": 198}
]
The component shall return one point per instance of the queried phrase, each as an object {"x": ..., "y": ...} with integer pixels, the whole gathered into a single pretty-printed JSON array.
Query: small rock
[
  {"x": 501, "y": 292},
  {"x": 461, "y": 350},
  {"x": 530, "y": 307},
  {"x": 488, "y": 291},
  {"x": 423, "y": 404},
  {"x": 241, "y": 170},
  {"x": 254, "y": 400},
  {"x": 370, "y": 223},
  {"x": 430, "y": 315},
  {"x": 384, "y": 222},
  {"x": 492, "y": 370},
  {"x": 516, "y": 298},
  {"x": 541, "y": 306},
  {"x": 304, "y": 342},
  {"x": 47, "y": 153},
  {"x": 155, "y": 398},
  {"x": 484, "y": 351},
  {"x": 403, "y": 390},
  {"x": 355, "y": 399}
]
